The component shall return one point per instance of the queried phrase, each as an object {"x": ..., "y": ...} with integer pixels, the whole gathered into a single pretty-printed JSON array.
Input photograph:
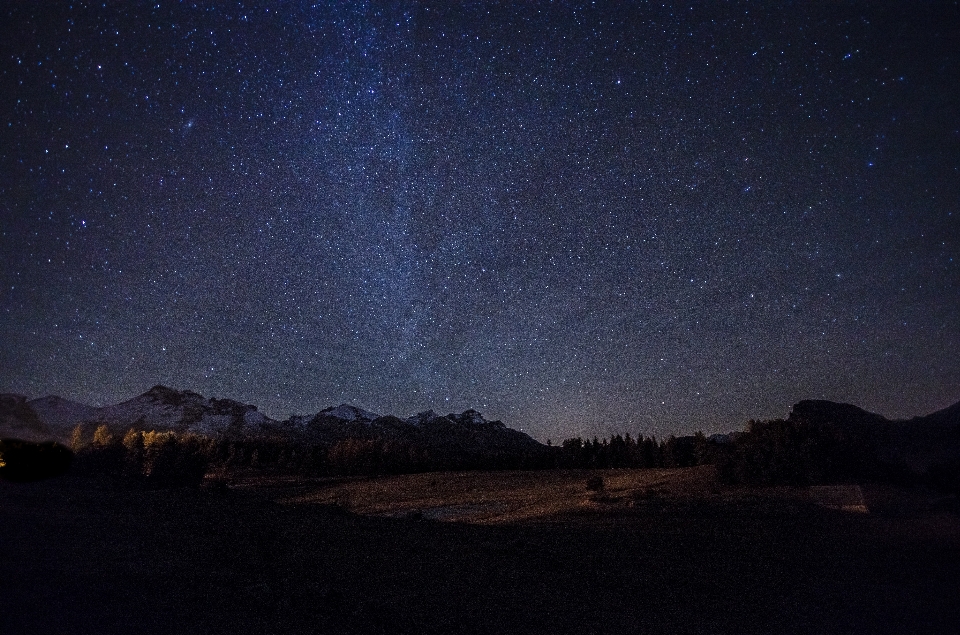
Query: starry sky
[{"x": 580, "y": 218}]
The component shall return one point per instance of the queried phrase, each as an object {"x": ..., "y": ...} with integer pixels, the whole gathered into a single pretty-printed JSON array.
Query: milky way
[{"x": 579, "y": 219}]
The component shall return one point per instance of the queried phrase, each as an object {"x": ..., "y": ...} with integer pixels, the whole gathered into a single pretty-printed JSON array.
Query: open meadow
[
  {"x": 651, "y": 551},
  {"x": 495, "y": 497}
]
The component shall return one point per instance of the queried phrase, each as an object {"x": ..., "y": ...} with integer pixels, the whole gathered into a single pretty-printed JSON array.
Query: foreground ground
[{"x": 655, "y": 551}]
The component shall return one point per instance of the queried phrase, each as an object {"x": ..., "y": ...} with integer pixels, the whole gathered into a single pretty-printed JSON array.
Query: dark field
[{"x": 654, "y": 551}]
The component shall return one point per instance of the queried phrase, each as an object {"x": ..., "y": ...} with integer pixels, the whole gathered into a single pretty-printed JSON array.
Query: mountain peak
[
  {"x": 421, "y": 418},
  {"x": 347, "y": 412},
  {"x": 468, "y": 416},
  {"x": 171, "y": 396},
  {"x": 160, "y": 391}
]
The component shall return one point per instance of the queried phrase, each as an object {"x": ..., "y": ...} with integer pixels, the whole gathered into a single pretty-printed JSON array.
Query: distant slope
[
  {"x": 947, "y": 417},
  {"x": 822, "y": 411},
  {"x": 19, "y": 421},
  {"x": 916, "y": 443}
]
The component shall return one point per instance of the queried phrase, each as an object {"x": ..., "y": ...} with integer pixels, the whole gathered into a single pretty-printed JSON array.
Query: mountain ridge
[
  {"x": 163, "y": 408},
  {"x": 185, "y": 411},
  {"x": 826, "y": 411}
]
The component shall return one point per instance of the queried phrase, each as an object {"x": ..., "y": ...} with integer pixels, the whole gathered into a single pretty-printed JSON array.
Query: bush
[{"x": 595, "y": 484}]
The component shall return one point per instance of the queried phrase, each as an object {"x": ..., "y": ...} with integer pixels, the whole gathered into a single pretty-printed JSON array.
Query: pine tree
[
  {"x": 102, "y": 436},
  {"x": 76, "y": 439},
  {"x": 133, "y": 443}
]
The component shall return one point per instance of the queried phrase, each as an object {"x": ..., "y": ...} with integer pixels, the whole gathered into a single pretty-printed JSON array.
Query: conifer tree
[
  {"x": 102, "y": 436},
  {"x": 76, "y": 439}
]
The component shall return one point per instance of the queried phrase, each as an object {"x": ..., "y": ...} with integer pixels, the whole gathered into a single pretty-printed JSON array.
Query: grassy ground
[
  {"x": 498, "y": 497},
  {"x": 656, "y": 551}
]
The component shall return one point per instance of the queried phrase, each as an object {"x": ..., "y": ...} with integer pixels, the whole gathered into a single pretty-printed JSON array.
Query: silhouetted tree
[
  {"x": 76, "y": 438},
  {"x": 102, "y": 436}
]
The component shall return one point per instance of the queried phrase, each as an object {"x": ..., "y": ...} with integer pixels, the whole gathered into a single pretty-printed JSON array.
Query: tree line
[
  {"x": 797, "y": 451},
  {"x": 791, "y": 452},
  {"x": 624, "y": 451},
  {"x": 171, "y": 458}
]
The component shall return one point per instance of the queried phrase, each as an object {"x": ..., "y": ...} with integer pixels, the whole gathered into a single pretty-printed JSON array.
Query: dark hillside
[
  {"x": 824, "y": 442},
  {"x": 19, "y": 421},
  {"x": 949, "y": 417},
  {"x": 819, "y": 412}
]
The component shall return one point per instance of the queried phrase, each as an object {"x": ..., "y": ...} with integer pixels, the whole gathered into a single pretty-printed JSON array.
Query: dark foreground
[{"x": 81, "y": 557}]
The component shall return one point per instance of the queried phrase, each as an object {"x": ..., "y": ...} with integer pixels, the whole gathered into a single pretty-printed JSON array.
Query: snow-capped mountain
[
  {"x": 345, "y": 412},
  {"x": 163, "y": 408},
  {"x": 184, "y": 411},
  {"x": 422, "y": 417},
  {"x": 160, "y": 408},
  {"x": 466, "y": 418}
]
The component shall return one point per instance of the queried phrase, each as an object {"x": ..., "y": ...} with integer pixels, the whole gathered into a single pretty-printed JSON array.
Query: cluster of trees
[
  {"x": 768, "y": 452},
  {"x": 170, "y": 458},
  {"x": 156, "y": 459},
  {"x": 797, "y": 452},
  {"x": 792, "y": 451},
  {"x": 164, "y": 459},
  {"x": 625, "y": 451},
  {"x": 348, "y": 456},
  {"x": 359, "y": 455},
  {"x": 800, "y": 452}
]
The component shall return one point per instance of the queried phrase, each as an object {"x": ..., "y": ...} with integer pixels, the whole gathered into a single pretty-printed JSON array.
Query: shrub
[{"x": 595, "y": 484}]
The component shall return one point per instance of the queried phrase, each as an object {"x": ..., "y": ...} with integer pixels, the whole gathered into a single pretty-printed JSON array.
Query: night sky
[{"x": 577, "y": 218}]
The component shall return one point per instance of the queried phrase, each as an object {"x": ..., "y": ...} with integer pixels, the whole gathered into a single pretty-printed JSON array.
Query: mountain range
[
  {"x": 184, "y": 411},
  {"x": 162, "y": 408}
]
